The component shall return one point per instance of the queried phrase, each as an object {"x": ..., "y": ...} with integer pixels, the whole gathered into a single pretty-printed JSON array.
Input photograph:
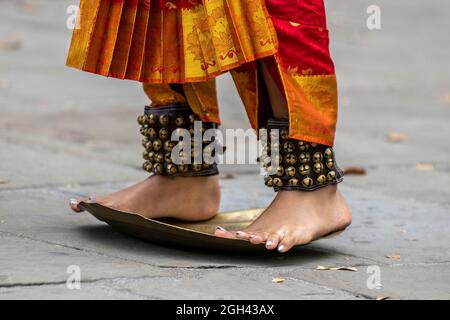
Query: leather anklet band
[
  {"x": 294, "y": 164},
  {"x": 157, "y": 126}
]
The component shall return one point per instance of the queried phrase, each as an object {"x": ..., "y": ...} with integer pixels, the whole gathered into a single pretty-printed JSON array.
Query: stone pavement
[{"x": 66, "y": 133}]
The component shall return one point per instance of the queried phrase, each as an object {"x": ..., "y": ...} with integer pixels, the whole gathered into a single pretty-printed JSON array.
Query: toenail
[
  {"x": 269, "y": 243},
  {"x": 221, "y": 229},
  {"x": 252, "y": 236},
  {"x": 73, "y": 201},
  {"x": 281, "y": 248}
]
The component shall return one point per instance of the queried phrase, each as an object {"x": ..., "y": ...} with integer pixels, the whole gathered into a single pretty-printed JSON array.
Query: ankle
[
  {"x": 199, "y": 197},
  {"x": 325, "y": 193}
]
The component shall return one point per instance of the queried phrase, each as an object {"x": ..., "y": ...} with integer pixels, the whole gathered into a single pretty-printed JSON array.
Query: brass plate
[{"x": 175, "y": 233}]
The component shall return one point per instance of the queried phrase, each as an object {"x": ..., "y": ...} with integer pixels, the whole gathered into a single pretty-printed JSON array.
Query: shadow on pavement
[{"x": 106, "y": 236}]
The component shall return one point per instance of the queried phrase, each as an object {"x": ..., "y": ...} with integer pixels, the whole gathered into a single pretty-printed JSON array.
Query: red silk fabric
[
  {"x": 305, "y": 48},
  {"x": 302, "y": 68}
]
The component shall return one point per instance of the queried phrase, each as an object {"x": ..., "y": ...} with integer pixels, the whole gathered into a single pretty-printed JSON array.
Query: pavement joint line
[
  {"x": 38, "y": 284},
  {"x": 204, "y": 267},
  {"x": 55, "y": 283},
  {"x": 418, "y": 264}
]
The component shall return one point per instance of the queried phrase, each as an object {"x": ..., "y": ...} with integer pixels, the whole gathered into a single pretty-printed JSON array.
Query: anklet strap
[
  {"x": 294, "y": 164},
  {"x": 187, "y": 156}
]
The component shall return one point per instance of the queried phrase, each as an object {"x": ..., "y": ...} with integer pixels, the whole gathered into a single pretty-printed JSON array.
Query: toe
[
  {"x": 223, "y": 233},
  {"x": 74, "y": 205},
  {"x": 286, "y": 243},
  {"x": 242, "y": 235},
  {"x": 258, "y": 237},
  {"x": 272, "y": 241}
]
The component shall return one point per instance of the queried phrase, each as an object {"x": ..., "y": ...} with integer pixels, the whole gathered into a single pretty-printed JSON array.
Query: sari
[{"x": 178, "y": 47}]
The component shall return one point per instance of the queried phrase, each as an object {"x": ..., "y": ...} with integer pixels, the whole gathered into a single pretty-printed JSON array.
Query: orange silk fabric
[{"x": 177, "y": 41}]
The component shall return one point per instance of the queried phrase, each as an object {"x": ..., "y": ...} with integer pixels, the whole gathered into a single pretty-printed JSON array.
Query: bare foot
[
  {"x": 296, "y": 218},
  {"x": 184, "y": 198}
]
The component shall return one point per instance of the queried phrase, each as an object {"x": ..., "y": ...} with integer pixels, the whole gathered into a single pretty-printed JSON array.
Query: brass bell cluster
[
  {"x": 295, "y": 164},
  {"x": 157, "y": 125}
]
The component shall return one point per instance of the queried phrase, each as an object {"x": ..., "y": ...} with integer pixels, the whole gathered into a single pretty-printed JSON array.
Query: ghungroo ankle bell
[
  {"x": 296, "y": 165},
  {"x": 188, "y": 156}
]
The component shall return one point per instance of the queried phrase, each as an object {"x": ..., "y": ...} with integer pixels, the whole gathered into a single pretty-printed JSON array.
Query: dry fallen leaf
[
  {"x": 355, "y": 171},
  {"x": 396, "y": 137},
  {"x": 352, "y": 269},
  {"x": 447, "y": 99},
  {"x": 422, "y": 166},
  {"x": 25, "y": 5},
  {"x": 278, "y": 280},
  {"x": 4, "y": 84},
  {"x": 322, "y": 268},
  {"x": 227, "y": 176},
  {"x": 394, "y": 257},
  {"x": 382, "y": 298},
  {"x": 10, "y": 45}
]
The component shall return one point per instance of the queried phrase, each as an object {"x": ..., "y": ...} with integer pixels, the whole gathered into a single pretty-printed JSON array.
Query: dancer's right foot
[{"x": 296, "y": 218}]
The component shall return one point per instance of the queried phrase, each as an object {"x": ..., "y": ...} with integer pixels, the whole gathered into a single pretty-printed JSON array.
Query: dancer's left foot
[
  {"x": 296, "y": 218},
  {"x": 183, "y": 198}
]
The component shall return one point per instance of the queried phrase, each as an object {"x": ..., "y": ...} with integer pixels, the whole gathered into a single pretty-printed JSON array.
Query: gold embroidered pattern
[{"x": 172, "y": 43}]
